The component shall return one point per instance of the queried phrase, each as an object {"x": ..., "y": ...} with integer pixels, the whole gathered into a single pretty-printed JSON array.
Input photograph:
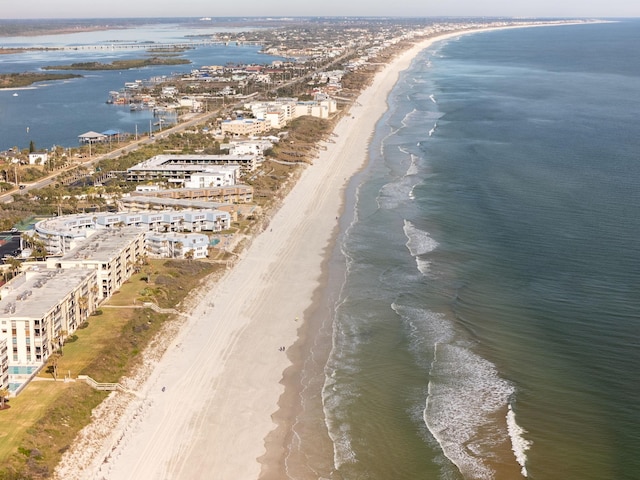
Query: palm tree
[
  {"x": 83, "y": 303},
  {"x": 53, "y": 368},
  {"x": 62, "y": 334},
  {"x": 94, "y": 291},
  {"x": 14, "y": 263}
]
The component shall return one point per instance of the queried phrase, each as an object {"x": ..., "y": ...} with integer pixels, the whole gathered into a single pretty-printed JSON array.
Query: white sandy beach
[{"x": 222, "y": 371}]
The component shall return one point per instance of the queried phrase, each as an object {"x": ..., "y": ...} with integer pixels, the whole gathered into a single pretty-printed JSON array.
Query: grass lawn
[
  {"x": 25, "y": 410},
  {"x": 78, "y": 354}
]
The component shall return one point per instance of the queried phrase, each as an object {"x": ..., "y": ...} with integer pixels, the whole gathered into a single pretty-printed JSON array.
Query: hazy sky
[{"x": 411, "y": 8}]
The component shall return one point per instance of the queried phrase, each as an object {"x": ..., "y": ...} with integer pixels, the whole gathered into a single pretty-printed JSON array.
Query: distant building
[
  {"x": 92, "y": 137},
  {"x": 216, "y": 195},
  {"x": 248, "y": 147},
  {"x": 177, "y": 245},
  {"x": 245, "y": 127},
  {"x": 147, "y": 188},
  {"x": 179, "y": 168},
  {"x": 211, "y": 179},
  {"x": 38, "y": 158}
]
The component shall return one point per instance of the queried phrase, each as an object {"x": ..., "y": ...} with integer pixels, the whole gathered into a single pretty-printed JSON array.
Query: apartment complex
[
  {"x": 112, "y": 253},
  {"x": 4, "y": 364},
  {"x": 179, "y": 168},
  {"x": 244, "y": 127},
  {"x": 37, "y": 311},
  {"x": 228, "y": 195},
  {"x": 280, "y": 112},
  {"x": 177, "y": 245}
]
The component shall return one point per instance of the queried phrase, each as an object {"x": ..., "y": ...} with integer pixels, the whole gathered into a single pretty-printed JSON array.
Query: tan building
[
  {"x": 233, "y": 194},
  {"x": 246, "y": 127}
]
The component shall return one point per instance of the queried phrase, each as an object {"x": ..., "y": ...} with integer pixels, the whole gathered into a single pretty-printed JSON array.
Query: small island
[
  {"x": 17, "y": 80},
  {"x": 121, "y": 64}
]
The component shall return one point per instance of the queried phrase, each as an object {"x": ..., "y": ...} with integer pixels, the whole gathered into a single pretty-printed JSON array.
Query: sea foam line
[
  {"x": 464, "y": 394},
  {"x": 419, "y": 242},
  {"x": 519, "y": 444}
]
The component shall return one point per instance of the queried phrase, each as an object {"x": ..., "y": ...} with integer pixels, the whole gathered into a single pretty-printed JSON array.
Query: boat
[{"x": 15, "y": 94}]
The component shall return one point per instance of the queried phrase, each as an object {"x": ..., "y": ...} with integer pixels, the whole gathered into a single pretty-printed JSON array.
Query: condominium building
[
  {"x": 177, "y": 245},
  {"x": 221, "y": 213},
  {"x": 4, "y": 364},
  {"x": 112, "y": 253},
  {"x": 38, "y": 310},
  {"x": 219, "y": 195},
  {"x": 178, "y": 168},
  {"x": 245, "y": 127}
]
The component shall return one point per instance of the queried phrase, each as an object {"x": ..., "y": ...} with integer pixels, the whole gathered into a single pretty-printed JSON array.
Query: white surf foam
[
  {"x": 419, "y": 242},
  {"x": 394, "y": 194},
  {"x": 519, "y": 444},
  {"x": 432, "y": 98},
  {"x": 465, "y": 393},
  {"x": 413, "y": 167}
]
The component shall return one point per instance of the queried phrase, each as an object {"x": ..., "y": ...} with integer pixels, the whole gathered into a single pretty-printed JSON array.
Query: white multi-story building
[
  {"x": 176, "y": 245},
  {"x": 112, "y": 253},
  {"x": 4, "y": 364},
  {"x": 248, "y": 147},
  {"x": 178, "y": 168},
  {"x": 38, "y": 310},
  {"x": 220, "y": 177}
]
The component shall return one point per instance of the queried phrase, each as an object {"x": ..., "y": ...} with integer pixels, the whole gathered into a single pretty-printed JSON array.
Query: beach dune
[{"x": 204, "y": 408}]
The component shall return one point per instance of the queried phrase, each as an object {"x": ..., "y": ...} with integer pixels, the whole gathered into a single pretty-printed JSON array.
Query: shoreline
[{"x": 224, "y": 369}]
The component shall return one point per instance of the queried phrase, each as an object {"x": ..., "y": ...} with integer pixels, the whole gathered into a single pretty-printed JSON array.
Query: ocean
[
  {"x": 57, "y": 112},
  {"x": 485, "y": 290}
]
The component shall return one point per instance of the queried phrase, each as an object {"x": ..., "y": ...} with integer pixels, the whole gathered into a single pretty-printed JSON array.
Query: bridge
[{"x": 144, "y": 45}]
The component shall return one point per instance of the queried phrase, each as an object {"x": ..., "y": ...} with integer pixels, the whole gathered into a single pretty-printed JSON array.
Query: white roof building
[
  {"x": 178, "y": 168},
  {"x": 178, "y": 245},
  {"x": 38, "y": 310}
]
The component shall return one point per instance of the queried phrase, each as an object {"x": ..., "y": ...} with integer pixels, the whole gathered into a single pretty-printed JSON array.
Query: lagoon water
[
  {"x": 55, "y": 113},
  {"x": 488, "y": 325}
]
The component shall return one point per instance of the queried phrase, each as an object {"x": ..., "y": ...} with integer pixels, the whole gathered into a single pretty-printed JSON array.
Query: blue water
[
  {"x": 55, "y": 113},
  {"x": 489, "y": 324}
]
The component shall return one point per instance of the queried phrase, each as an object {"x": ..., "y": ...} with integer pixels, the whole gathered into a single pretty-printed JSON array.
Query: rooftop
[
  {"x": 104, "y": 245},
  {"x": 38, "y": 291}
]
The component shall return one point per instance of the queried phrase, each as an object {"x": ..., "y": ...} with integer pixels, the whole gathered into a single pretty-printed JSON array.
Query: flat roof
[
  {"x": 189, "y": 162},
  {"x": 35, "y": 294},
  {"x": 173, "y": 202},
  {"x": 104, "y": 245}
]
